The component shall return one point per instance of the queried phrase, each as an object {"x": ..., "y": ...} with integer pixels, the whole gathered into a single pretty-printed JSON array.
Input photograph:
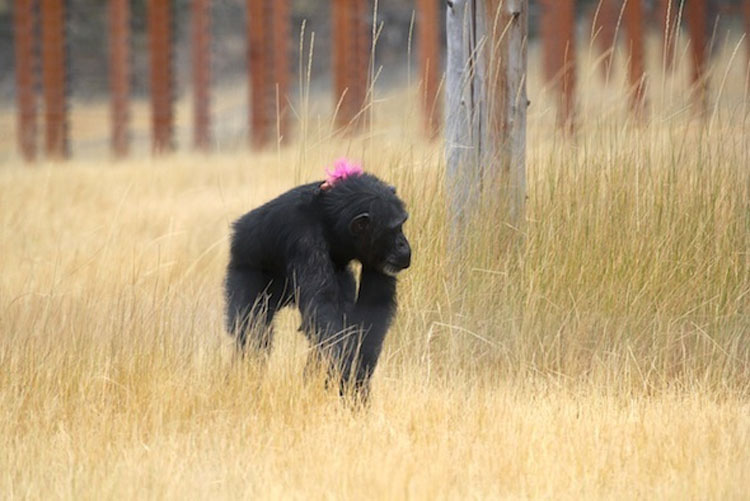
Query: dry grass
[{"x": 605, "y": 353}]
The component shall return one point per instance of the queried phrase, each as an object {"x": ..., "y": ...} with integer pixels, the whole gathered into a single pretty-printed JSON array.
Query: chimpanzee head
[{"x": 367, "y": 219}]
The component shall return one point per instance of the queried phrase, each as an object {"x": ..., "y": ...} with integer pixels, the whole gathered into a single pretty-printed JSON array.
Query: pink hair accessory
[{"x": 342, "y": 169}]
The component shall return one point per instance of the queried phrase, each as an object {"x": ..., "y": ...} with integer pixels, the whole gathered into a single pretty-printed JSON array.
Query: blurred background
[{"x": 304, "y": 30}]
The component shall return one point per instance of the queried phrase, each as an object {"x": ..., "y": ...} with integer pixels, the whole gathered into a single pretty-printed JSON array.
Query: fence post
[
  {"x": 54, "y": 78},
  {"x": 350, "y": 58},
  {"x": 429, "y": 58},
  {"x": 119, "y": 73},
  {"x": 25, "y": 77},
  {"x": 604, "y": 29},
  {"x": 268, "y": 64},
  {"x": 281, "y": 67},
  {"x": 696, "y": 16},
  {"x": 258, "y": 65},
  {"x": 161, "y": 78},
  {"x": 668, "y": 22},
  {"x": 201, "y": 52},
  {"x": 339, "y": 10},
  {"x": 558, "y": 39},
  {"x": 633, "y": 17},
  {"x": 360, "y": 66}
]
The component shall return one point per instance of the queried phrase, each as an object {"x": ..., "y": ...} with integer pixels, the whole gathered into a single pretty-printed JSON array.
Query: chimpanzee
[{"x": 296, "y": 250}]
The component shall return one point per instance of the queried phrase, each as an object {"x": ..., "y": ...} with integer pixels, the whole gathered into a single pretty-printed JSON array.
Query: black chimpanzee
[{"x": 296, "y": 249}]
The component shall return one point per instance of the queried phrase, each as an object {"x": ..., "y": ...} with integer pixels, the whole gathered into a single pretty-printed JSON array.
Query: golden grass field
[{"x": 600, "y": 350}]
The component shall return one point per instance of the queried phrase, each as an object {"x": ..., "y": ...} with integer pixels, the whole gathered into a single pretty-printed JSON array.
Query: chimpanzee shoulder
[{"x": 265, "y": 234}]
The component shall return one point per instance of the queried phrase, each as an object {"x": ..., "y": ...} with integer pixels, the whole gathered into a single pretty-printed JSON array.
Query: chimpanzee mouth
[{"x": 390, "y": 270}]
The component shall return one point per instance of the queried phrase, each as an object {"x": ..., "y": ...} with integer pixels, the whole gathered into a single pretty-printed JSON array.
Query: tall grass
[{"x": 599, "y": 350}]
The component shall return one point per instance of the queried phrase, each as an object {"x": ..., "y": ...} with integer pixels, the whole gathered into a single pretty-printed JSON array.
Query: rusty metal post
[
  {"x": 161, "y": 77},
  {"x": 604, "y": 29},
  {"x": 119, "y": 74},
  {"x": 351, "y": 55},
  {"x": 558, "y": 33},
  {"x": 360, "y": 67},
  {"x": 633, "y": 19},
  {"x": 201, "y": 27},
  {"x": 429, "y": 59},
  {"x": 696, "y": 15},
  {"x": 26, "y": 61},
  {"x": 667, "y": 12},
  {"x": 340, "y": 10},
  {"x": 281, "y": 67},
  {"x": 54, "y": 78},
  {"x": 260, "y": 68}
]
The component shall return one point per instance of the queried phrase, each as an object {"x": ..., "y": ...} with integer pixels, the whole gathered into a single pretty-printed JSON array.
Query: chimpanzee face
[{"x": 382, "y": 244}]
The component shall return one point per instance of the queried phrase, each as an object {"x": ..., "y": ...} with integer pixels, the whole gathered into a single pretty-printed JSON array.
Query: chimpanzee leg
[{"x": 252, "y": 302}]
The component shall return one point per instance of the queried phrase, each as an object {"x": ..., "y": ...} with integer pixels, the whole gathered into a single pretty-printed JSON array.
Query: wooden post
[
  {"x": 746, "y": 16},
  {"x": 633, "y": 18},
  {"x": 161, "y": 77},
  {"x": 119, "y": 73},
  {"x": 558, "y": 39},
  {"x": 26, "y": 61},
  {"x": 429, "y": 59},
  {"x": 54, "y": 79},
  {"x": 486, "y": 108},
  {"x": 464, "y": 172},
  {"x": 696, "y": 15},
  {"x": 351, "y": 54},
  {"x": 201, "y": 27},
  {"x": 506, "y": 144}
]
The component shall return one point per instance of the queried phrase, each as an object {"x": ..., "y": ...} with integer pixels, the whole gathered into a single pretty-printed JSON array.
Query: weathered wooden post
[
  {"x": 26, "y": 61},
  {"x": 486, "y": 108},
  {"x": 558, "y": 39},
  {"x": 161, "y": 78},
  {"x": 54, "y": 79},
  {"x": 429, "y": 59},
  {"x": 201, "y": 47},
  {"x": 119, "y": 73}
]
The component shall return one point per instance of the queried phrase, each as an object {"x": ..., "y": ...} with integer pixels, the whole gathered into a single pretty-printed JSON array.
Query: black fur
[{"x": 296, "y": 250}]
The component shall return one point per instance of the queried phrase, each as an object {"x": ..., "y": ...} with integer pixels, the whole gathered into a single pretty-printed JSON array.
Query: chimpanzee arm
[
  {"x": 373, "y": 313},
  {"x": 319, "y": 294}
]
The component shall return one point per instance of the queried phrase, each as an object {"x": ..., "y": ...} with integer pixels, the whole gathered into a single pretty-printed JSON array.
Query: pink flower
[{"x": 342, "y": 169}]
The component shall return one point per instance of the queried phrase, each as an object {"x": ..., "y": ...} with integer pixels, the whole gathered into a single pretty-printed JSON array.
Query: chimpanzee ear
[{"x": 360, "y": 224}]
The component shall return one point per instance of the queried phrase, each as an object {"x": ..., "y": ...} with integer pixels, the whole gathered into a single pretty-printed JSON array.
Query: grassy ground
[{"x": 601, "y": 350}]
